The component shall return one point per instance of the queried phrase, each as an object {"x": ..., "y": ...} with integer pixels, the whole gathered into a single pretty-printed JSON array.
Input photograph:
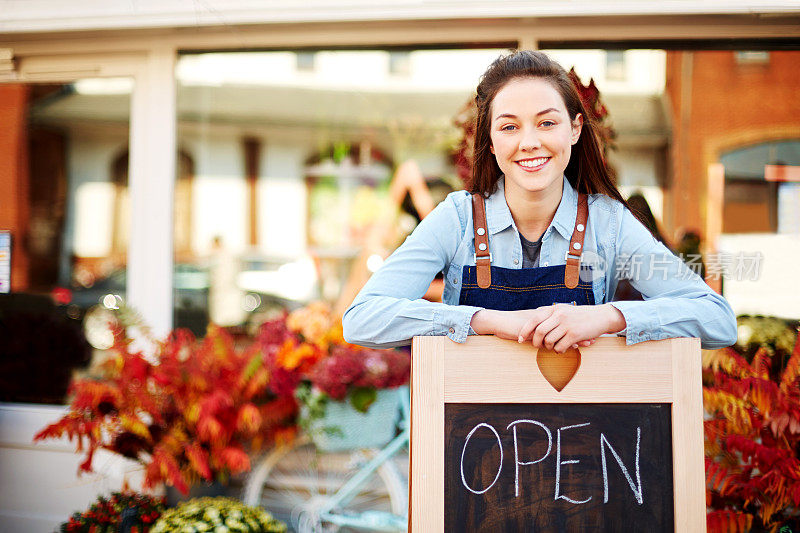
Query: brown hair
[{"x": 586, "y": 170}]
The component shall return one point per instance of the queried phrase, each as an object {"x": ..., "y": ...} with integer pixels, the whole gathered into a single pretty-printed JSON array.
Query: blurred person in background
[
  {"x": 639, "y": 207},
  {"x": 224, "y": 295},
  {"x": 411, "y": 198},
  {"x": 688, "y": 249}
]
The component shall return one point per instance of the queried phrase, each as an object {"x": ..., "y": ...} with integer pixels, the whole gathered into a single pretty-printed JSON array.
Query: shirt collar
[
  {"x": 499, "y": 216},
  {"x": 567, "y": 212}
]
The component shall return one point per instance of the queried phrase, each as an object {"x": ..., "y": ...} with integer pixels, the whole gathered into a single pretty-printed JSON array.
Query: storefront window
[
  {"x": 291, "y": 163},
  {"x": 64, "y": 227},
  {"x": 301, "y": 168}
]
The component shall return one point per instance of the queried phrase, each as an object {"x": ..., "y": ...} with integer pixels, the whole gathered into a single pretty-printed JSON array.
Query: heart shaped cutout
[{"x": 558, "y": 368}]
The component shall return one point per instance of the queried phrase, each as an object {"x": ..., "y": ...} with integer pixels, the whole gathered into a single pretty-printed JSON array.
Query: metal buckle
[
  {"x": 568, "y": 255},
  {"x": 475, "y": 256}
]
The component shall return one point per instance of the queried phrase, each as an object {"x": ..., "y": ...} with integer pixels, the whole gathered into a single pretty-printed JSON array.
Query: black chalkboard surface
[{"x": 564, "y": 467}]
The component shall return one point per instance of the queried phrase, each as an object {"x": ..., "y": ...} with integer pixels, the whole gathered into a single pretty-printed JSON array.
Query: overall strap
[
  {"x": 483, "y": 258},
  {"x": 573, "y": 268}
]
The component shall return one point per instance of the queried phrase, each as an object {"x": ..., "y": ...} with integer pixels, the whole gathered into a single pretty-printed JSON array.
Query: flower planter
[{"x": 344, "y": 428}]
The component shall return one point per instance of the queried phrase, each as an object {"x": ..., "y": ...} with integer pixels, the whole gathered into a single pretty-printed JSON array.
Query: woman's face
[{"x": 532, "y": 135}]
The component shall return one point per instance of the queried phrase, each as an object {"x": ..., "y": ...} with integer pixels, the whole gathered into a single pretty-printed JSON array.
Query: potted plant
[
  {"x": 218, "y": 514},
  {"x": 347, "y": 394},
  {"x": 122, "y": 511},
  {"x": 189, "y": 413}
]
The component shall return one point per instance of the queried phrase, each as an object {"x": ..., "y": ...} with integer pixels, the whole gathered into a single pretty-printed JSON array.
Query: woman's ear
[{"x": 577, "y": 125}]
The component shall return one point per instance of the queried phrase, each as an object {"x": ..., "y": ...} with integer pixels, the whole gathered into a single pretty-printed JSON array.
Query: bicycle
[{"x": 316, "y": 492}]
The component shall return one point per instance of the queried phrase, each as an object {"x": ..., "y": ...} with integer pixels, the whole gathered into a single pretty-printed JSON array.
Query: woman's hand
[
  {"x": 567, "y": 325},
  {"x": 507, "y": 324}
]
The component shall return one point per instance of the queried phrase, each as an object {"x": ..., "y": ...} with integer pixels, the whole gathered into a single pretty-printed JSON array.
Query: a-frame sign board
[{"x": 495, "y": 447}]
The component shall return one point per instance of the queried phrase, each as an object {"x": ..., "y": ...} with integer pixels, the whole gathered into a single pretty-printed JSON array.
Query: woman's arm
[
  {"x": 677, "y": 302},
  {"x": 390, "y": 309}
]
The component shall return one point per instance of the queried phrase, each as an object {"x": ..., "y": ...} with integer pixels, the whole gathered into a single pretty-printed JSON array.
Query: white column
[{"x": 151, "y": 186}]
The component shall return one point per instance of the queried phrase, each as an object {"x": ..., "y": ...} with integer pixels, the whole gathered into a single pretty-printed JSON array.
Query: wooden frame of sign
[{"x": 488, "y": 370}]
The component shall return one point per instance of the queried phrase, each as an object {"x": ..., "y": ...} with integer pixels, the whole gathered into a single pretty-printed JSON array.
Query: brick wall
[
  {"x": 14, "y": 182},
  {"x": 718, "y": 104}
]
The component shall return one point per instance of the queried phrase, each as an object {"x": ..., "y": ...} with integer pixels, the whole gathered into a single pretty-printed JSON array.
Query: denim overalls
[{"x": 511, "y": 289}]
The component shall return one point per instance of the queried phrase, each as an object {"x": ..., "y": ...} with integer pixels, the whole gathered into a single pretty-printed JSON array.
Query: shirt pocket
[
  {"x": 599, "y": 287},
  {"x": 597, "y": 275},
  {"x": 452, "y": 284}
]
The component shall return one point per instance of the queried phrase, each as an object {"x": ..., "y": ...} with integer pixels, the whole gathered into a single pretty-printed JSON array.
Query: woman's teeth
[{"x": 530, "y": 163}]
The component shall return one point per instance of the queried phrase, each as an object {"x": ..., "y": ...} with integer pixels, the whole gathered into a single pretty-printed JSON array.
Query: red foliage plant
[
  {"x": 596, "y": 109},
  {"x": 190, "y": 412},
  {"x": 752, "y": 440}
]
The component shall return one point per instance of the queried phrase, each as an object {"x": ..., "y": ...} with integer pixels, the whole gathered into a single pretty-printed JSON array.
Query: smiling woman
[{"x": 511, "y": 251}]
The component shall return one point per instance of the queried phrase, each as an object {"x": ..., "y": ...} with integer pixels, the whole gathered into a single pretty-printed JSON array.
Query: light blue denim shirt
[{"x": 389, "y": 310}]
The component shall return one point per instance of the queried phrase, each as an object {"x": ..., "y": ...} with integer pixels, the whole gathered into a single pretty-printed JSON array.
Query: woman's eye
[
  {"x": 508, "y": 127},
  {"x": 548, "y": 123}
]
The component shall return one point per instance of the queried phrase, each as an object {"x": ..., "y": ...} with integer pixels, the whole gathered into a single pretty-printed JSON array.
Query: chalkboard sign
[
  {"x": 519, "y": 468},
  {"x": 496, "y": 447}
]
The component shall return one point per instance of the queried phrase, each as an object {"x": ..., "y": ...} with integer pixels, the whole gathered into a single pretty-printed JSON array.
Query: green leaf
[
  {"x": 252, "y": 366},
  {"x": 362, "y": 397}
]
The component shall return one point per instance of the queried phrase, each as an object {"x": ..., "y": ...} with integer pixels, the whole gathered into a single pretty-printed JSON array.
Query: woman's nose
[{"x": 529, "y": 141}]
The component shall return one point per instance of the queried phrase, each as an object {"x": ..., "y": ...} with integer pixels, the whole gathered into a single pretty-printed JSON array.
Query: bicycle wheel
[{"x": 295, "y": 483}]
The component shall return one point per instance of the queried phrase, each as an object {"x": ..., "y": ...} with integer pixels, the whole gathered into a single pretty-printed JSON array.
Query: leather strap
[
  {"x": 483, "y": 257},
  {"x": 573, "y": 268}
]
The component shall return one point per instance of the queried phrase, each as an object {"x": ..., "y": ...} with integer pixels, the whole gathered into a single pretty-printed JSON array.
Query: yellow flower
[
  {"x": 312, "y": 321},
  {"x": 290, "y": 357}
]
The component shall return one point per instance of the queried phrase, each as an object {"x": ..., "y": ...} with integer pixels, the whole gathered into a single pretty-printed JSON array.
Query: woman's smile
[{"x": 533, "y": 165}]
